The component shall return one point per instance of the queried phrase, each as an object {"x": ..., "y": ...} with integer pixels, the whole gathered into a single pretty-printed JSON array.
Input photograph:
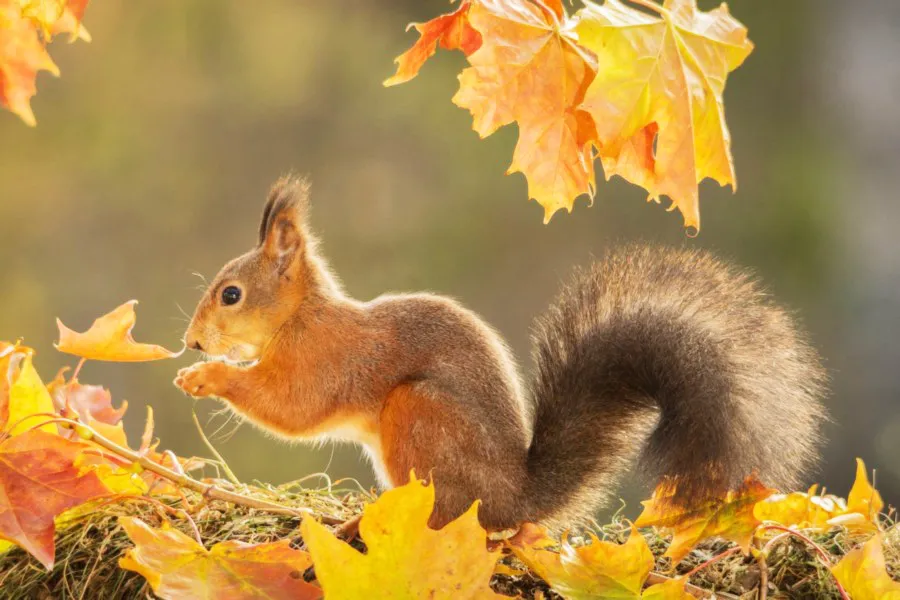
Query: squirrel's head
[{"x": 257, "y": 292}]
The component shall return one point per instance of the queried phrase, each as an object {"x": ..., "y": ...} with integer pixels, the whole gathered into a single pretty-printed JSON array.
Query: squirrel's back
[{"x": 677, "y": 359}]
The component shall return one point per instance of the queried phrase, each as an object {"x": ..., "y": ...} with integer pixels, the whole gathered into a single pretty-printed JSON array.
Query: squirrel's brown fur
[{"x": 664, "y": 355}]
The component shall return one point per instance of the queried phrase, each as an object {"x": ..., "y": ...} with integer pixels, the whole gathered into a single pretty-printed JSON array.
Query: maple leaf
[
  {"x": 660, "y": 79},
  {"x": 731, "y": 517},
  {"x": 862, "y": 572},
  {"x": 598, "y": 570},
  {"x": 38, "y": 482},
  {"x": 88, "y": 402},
  {"x": 801, "y": 509},
  {"x": 22, "y": 55},
  {"x": 530, "y": 70},
  {"x": 405, "y": 558},
  {"x": 176, "y": 566},
  {"x": 22, "y": 393},
  {"x": 452, "y": 31},
  {"x": 109, "y": 338},
  {"x": 863, "y": 498},
  {"x": 673, "y": 589}
]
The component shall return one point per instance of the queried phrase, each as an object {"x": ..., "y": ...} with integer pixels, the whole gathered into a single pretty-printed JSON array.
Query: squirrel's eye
[{"x": 231, "y": 295}]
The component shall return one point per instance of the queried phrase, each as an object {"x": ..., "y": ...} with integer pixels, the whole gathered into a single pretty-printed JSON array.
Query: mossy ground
[{"x": 89, "y": 547}]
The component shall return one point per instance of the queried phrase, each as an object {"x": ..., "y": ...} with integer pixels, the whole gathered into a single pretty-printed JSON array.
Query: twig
[
  {"x": 714, "y": 559},
  {"x": 228, "y": 472},
  {"x": 205, "y": 489},
  {"x": 762, "y": 559},
  {"x": 819, "y": 550}
]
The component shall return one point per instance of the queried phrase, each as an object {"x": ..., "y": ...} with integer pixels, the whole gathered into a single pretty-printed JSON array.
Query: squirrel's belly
[{"x": 368, "y": 439}]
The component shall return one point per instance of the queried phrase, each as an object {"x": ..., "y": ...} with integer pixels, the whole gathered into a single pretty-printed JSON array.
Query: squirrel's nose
[{"x": 193, "y": 343}]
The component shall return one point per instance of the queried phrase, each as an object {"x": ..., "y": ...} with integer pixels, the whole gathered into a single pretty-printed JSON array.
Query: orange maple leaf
[
  {"x": 452, "y": 31},
  {"x": 109, "y": 338},
  {"x": 38, "y": 482},
  {"x": 730, "y": 517},
  {"x": 531, "y": 71},
  {"x": 177, "y": 566},
  {"x": 22, "y": 55}
]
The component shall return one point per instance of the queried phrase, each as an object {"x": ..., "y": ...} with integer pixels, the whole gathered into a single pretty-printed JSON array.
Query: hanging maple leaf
[
  {"x": 530, "y": 70},
  {"x": 730, "y": 517},
  {"x": 22, "y": 55},
  {"x": 643, "y": 90},
  {"x": 862, "y": 572},
  {"x": 109, "y": 338},
  {"x": 452, "y": 31},
  {"x": 405, "y": 558},
  {"x": 659, "y": 83},
  {"x": 177, "y": 566},
  {"x": 597, "y": 570},
  {"x": 38, "y": 482}
]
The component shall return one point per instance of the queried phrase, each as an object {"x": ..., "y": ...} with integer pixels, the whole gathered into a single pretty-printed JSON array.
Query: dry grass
[{"x": 88, "y": 549}]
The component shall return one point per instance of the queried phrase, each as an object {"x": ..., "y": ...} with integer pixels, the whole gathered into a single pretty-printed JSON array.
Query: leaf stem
[
  {"x": 650, "y": 4},
  {"x": 228, "y": 472}
]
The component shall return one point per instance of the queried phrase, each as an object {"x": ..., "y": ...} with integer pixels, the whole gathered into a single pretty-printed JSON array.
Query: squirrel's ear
[{"x": 281, "y": 231}]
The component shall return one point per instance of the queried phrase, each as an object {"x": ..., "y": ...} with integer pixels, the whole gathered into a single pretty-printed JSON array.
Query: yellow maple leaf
[
  {"x": 531, "y": 71},
  {"x": 673, "y": 589},
  {"x": 863, "y": 498},
  {"x": 731, "y": 517},
  {"x": 23, "y": 394},
  {"x": 109, "y": 338},
  {"x": 405, "y": 558},
  {"x": 597, "y": 570},
  {"x": 660, "y": 80},
  {"x": 863, "y": 574},
  {"x": 802, "y": 509},
  {"x": 176, "y": 566}
]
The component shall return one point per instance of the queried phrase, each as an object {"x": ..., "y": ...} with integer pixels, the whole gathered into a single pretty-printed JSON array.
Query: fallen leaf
[
  {"x": 597, "y": 570},
  {"x": 806, "y": 510},
  {"x": 38, "y": 482},
  {"x": 405, "y": 558},
  {"x": 22, "y": 55},
  {"x": 657, "y": 97},
  {"x": 530, "y": 70},
  {"x": 673, "y": 589},
  {"x": 88, "y": 402},
  {"x": 731, "y": 517},
  {"x": 109, "y": 338},
  {"x": 22, "y": 394},
  {"x": 864, "y": 575},
  {"x": 863, "y": 498},
  {"x": 452, "y": 31},
  {"x": 176, "y": 566}
]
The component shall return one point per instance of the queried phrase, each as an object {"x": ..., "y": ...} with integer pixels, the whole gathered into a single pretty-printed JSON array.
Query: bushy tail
[{"x": 673, "y": 358}]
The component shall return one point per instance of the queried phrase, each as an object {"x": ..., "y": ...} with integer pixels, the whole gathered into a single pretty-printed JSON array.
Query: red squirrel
[{"x": 664, "y": 357}]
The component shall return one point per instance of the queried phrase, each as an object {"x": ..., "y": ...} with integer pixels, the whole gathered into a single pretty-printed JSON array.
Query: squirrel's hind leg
[{"x": 427, "y": 430}]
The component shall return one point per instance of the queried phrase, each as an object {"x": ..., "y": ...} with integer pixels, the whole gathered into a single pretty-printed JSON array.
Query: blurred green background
[{"x": 155, "y": 148}]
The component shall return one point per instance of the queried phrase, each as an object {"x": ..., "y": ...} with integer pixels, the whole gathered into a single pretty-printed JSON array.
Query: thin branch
[
  {"x": 714, "y": 559},
  {"x": 205, "y": 489},
  {"x": 228, "y": 472}
]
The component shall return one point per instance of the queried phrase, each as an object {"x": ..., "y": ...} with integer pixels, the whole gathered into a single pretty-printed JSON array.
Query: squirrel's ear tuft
[{"x": 281, "y": 231}]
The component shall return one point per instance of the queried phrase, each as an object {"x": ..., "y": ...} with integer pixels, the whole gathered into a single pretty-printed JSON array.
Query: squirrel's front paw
[{"x": 202, "y": 379}]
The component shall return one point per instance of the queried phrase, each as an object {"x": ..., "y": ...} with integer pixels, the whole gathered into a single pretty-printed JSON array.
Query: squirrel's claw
[{"x": 198, "y": 380}]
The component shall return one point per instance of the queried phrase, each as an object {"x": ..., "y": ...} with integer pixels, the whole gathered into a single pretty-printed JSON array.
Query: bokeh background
[{"x": 155, "y": 148}]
